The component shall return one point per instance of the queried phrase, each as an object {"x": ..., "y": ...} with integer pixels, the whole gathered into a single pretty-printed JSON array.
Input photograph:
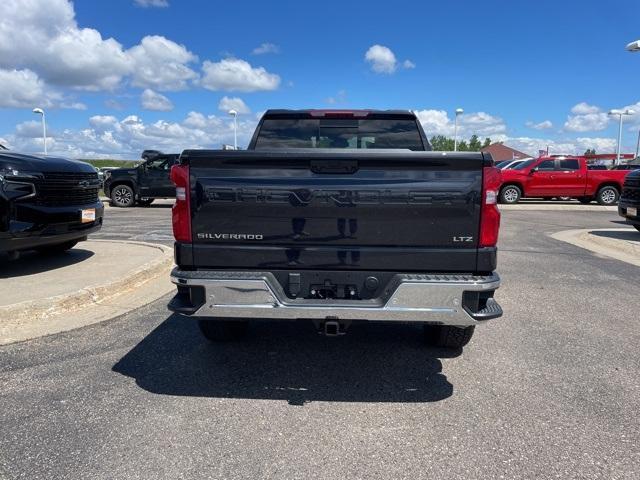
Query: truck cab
[{"x": 127, "y": 187}]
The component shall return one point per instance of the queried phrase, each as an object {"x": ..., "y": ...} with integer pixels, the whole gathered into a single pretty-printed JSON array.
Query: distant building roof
[{"x": 501, "y": 152}]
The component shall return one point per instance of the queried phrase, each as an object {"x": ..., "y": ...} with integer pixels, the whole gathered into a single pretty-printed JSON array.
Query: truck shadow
[
  {"x": 629, "y": 235},
  {"x": 32, "y": 262},
  {"x": 290, "y": 361}
]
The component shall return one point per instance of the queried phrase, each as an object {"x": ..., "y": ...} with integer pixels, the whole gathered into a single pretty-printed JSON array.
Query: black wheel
[
  {"x": 146, "y": 202},
  {"x": 608, "y": 195},
  {"x": 57, "y": 248},
  {"x": 585, "y": 200},
  {"x": 223, "y": 330},
  {"x": 447, "y": 336},
  {"x": 510, "y": 194},
  {"x": 122, "y": 196}
]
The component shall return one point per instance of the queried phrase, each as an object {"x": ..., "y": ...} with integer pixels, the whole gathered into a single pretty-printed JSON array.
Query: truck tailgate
[{"x": 354, "y": 209}]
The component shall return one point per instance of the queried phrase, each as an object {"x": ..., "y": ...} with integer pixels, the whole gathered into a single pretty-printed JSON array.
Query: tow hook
[{"x": 332, "y": 327}]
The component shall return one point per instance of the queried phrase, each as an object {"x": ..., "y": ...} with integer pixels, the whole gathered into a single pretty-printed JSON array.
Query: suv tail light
[
  {"x": 489, "y": 214},
  {"x": 181, "y": 211}
]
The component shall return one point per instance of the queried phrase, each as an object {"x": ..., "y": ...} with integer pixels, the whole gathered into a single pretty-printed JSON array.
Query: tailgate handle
[{"x": 345, "y": 166}]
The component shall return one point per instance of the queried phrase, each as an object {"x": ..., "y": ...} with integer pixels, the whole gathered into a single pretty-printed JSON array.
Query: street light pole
[
  {"x": 635, "y": 47},
  {"x": 44, "y": 128},
  {"x": 234, "y": 114},
  {"x": 459, "y": 111},
  {"x": 620, "y": 114}
]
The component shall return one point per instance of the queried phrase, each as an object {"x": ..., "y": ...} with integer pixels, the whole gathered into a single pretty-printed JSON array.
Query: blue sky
[{"x": 121, "y": 75}]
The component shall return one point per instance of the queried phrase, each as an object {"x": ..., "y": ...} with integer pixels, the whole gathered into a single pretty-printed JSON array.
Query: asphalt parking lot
[{"x": 551, "y": 390}]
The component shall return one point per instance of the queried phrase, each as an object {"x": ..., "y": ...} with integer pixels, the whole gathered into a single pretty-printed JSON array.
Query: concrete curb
[
  {"x": 30, "y": 319},
  {"x": 618, "y": 248}
]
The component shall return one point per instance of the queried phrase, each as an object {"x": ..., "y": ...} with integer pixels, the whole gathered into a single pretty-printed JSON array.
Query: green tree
[
  {"x": 474, "y": 144},
  {"x": 445, "y": 144},
  {"x": 441, "y": 143}
]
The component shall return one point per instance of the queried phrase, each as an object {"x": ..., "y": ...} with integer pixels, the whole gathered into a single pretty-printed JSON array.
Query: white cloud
[
  {"x": 103, "y": 123},
  {"x": 195, "y": 120},
  {"x": 108, "y": 136},
  {"x": 155, "y": 101},
  {"x": 23, "y": 89},
  {"x": 151, "y": 3},
  {"x": 233, "y": 103},
  {"x": 544, "y": 125},
  {"x": 482, "y": 124},
  {"x": 266, "y": 48},
  {"x": 583, "y": 108},
  {"x": 381, "y": 59},
  {"x": 161, "y": 64},
  {"x": 113, "y": 104},
  {"x": 586, "y": 118},
  {"x": 633, "y": 120},
  {"x": 437, "y": 122},
  {"x": 233, "y": 74},
  {"x": 563, "y": 146},
  {"x": 73, "y": 105},
  {"x": 599, "y": 144},
  {"x": 29, "y": 129},
  {"x": 44, "y": 37},
  {"x": 340, "y": 98}
]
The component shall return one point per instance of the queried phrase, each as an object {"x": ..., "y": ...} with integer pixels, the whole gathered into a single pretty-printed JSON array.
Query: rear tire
[
  {"x": 446, "y": 336},
  {"x": 510, "y": 194},
  {"x": 608, "y": 195},
  {"x": 223, "y": 330},
  {"x": 58, "y": 248},
  {"x": 123, "y": 196}
]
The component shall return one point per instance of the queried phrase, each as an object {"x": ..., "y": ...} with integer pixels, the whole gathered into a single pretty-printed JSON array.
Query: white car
[{"x": 509, "y": 164}]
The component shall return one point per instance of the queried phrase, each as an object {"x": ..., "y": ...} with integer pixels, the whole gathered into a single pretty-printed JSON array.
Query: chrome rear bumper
[{"x": 434, "y": 299}]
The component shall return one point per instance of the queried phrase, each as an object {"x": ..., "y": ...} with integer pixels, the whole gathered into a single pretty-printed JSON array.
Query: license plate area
[{"x": 333, "y": 285}]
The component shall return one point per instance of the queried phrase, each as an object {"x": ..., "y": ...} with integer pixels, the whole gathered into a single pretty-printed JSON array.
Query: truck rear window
[{"x": 279, "y": 133}]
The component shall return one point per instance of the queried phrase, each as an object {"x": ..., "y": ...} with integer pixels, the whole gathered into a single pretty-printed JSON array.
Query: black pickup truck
[
  {"x": 46, "y": 203},
  {"x": 629, "y": 203},
  {"x": 127, "y": 187},
  {"x": 335, "y": 217}
]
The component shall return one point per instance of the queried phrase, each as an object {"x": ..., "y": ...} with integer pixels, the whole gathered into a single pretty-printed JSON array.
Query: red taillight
[
  {"x": 181, "y": 212},
  {"x": 490, "y": 215}
]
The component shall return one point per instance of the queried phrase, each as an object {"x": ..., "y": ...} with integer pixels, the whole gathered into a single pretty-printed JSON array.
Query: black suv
[
  {"x": 629, "y": 203},
  {"x": 46, "y": 203},
  {"x": 127, "y": 187}
]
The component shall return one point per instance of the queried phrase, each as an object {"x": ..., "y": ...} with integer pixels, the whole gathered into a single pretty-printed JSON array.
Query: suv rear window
[{"x": 393, "y": 133}]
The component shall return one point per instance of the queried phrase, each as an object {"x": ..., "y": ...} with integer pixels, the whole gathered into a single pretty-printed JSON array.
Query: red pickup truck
[{"x": 551, "y": 177}]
